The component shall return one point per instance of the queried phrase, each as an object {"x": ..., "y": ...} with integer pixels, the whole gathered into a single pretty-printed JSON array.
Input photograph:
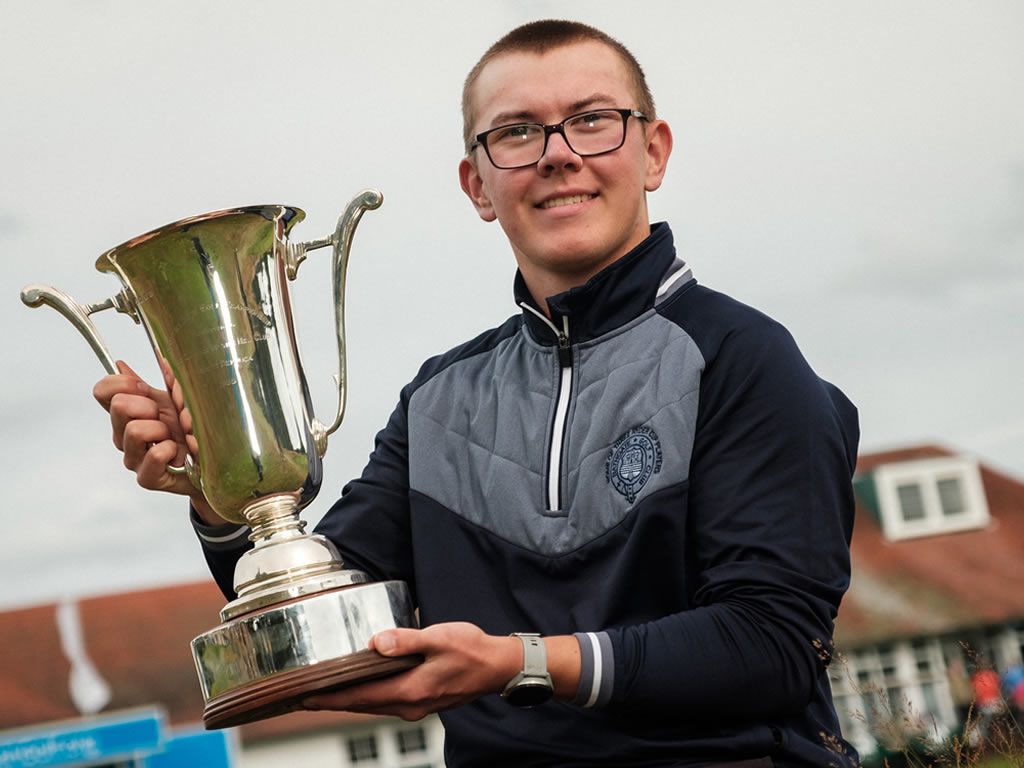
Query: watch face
[{"x": 529, "y": 694}]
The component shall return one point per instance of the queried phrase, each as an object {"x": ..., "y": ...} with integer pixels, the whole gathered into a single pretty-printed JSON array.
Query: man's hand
[
  {"x": 153, "y": 430},
  {"x": 461, "y": 664}
]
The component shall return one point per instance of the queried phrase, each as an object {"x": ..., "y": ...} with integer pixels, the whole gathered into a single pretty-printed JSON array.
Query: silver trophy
[{"x": 212, "y": 293}]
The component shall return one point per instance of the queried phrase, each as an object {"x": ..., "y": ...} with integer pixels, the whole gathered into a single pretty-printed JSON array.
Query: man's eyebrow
[
  {"x": 526, "y": 116},
  {"x": 590, "y": 101},
  {"x": 504, "y": 118}
]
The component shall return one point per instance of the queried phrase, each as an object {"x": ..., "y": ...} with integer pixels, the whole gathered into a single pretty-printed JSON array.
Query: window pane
[
  {"x": 950, "y": 496},
  {"x": 848, "y": 716},
  {"x": 362, "y": 748},
  {"x": 911, "y": 501},
  {"x": 931, "y": 699},
  {"x": 922, "y": 657},
  {"x": 897, "y": 702},
  {"x": 887, "y": 659},
  {"x": 412, "y": 740}
]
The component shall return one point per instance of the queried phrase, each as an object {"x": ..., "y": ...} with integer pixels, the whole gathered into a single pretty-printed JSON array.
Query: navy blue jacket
[{"x": 656, "y": 469}]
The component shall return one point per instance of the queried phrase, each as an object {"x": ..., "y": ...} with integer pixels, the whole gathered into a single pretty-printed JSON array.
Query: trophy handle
[
  {"x": 36, "y": 295},
  {"x": 341, "y": 240},
  {"x": 78, "y": 315}
]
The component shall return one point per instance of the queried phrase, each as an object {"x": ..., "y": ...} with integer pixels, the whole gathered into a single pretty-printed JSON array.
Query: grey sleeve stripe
[
  {"x": 217, "y": 535},
  {"x": 607, "y": 681},
  {"x": 586, "y": 669},
  {"x": 225, "y": 538},
  {"x": 596, "y": 669}
]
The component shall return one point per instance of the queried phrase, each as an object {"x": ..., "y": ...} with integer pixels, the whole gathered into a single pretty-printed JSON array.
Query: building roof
[
  {"x": 139, "y": 643},
  {"x": 936, "y": 584}
]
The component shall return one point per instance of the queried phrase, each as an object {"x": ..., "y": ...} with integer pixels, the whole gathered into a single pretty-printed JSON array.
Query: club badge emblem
[{"x": 633, "y": 459}]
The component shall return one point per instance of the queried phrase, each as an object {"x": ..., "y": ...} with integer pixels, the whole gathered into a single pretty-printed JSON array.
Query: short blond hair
[{"x": 540, "y": 37}]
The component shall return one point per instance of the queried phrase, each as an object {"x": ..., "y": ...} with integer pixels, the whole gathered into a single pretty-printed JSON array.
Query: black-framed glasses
[{"x": 589, "y": 133}]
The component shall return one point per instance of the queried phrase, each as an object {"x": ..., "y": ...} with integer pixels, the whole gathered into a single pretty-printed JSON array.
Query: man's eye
[
  {"x": 514, "y": 133},
  {"x": 593, "y": 121}
]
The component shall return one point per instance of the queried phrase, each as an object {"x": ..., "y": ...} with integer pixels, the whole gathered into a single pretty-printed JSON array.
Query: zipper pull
[{"x": 564, "y": 349}]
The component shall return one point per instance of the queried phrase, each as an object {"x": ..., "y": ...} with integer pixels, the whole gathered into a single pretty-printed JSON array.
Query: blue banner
[
  {"x": 209, "y": 749},
  {"x": 83, "y": 741}
]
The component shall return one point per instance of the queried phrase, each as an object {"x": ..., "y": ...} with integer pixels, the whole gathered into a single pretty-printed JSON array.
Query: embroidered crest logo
[{"x": 633, "y": 459}]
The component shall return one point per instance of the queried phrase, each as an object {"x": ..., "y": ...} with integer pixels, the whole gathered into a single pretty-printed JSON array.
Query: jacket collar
[{"x": 614, "y": 296}]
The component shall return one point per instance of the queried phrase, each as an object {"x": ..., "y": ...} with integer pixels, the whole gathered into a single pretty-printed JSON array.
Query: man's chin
[{"x": 576, "y": 264}]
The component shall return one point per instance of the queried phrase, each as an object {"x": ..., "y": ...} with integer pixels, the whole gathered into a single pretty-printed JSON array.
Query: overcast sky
[{"x": 855, "y": 170}]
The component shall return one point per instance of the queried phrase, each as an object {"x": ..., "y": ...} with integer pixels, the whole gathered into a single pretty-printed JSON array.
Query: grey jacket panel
[
  {"x": 479, "y": 432},
  {"x": 646, "y": 376}
]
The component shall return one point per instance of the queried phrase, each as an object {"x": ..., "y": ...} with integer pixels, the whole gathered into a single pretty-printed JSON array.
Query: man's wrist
[
  {"x": 563, "y": 663},
  {"x": 205, "y": 512}
]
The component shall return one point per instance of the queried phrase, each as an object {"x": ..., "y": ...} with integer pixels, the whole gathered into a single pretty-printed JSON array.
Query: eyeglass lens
[{"x": 588, "y": 134}]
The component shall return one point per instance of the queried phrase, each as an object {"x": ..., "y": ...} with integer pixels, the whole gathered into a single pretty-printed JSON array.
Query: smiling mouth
[{"x": 555, "y": 202}]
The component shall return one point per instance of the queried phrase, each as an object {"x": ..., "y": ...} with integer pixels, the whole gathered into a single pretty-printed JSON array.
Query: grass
[
  {"x": 907, "y": 739},
  {"x": 1000, "y": 762}
]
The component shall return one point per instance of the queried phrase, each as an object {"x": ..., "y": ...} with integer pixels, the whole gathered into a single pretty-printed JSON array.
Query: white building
[{"x": 937, "y": 588}]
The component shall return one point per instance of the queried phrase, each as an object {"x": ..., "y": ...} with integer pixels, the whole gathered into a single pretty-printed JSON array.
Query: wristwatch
[{"x": 532, "y": 686}]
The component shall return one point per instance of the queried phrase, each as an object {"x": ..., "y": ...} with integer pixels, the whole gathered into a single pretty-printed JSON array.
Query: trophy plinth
[
  {"x": 264, "y": 663},
  {"x": 300, "y": 624},
  {"x": 211, "y": 292}
]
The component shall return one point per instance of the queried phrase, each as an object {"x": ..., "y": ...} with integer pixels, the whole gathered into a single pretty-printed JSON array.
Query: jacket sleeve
[
  {"x": 771, "y": 515},
  {"x": 370, "y": 522},
  {"x": 222, "y": 546}
]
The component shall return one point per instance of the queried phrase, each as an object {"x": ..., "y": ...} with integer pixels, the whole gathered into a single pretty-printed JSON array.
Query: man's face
[{"x": 567, "y": 216}]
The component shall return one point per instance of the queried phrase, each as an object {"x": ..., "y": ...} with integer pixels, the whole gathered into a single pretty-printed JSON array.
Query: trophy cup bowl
[{"x": 211, "y": 292}]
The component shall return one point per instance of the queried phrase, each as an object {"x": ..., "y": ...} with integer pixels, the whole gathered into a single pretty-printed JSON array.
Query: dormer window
[{"x": 930, "y": 496}]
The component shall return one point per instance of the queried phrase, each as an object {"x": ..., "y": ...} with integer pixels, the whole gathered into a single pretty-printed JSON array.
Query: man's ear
[
  {"x": 473, "y": 186},
  {"x": 658, "y": 148}
]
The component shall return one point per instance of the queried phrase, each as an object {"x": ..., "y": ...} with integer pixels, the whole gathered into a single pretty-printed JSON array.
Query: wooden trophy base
[
  {"x": 266, "y": 662},
  {"x": 285, "y": 692}
]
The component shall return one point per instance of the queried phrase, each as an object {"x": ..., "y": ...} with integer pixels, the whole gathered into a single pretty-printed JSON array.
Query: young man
[{"x": 640, "y": 470}]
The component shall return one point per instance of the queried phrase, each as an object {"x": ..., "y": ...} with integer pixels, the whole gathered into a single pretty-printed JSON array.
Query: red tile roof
[
  {"x": 139, "y": 642},
  {"x": 935, "y": 584}
]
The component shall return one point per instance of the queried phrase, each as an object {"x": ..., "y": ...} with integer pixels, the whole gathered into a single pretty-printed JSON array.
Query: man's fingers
[
  {"x": 435, "y": 639},
  {"x": 139, "y": 434},
  {"x": 124, "y": 409},
  {"x": 390, "y": 696},
  {"x": 400, "y": 642},
  {"x": 152, "y": 473},
  {"x": 146, "y": 427},
  {"x": 126, "y": 369},
  {"x": 186, "y": 421},
  {"x": 177, "y": 394},
  {"x": 165, "y": 371},
  {"x": 118, "y": 383}
]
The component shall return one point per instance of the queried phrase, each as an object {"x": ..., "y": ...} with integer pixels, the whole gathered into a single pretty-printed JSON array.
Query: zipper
[{"x": 552, "y": 484}]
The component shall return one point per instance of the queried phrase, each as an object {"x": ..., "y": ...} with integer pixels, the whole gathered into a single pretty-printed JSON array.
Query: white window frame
[
  {"x": 927, "y": 473},
  {"x": 897, "y": 696},
  {"x": 389, "y": 754}
]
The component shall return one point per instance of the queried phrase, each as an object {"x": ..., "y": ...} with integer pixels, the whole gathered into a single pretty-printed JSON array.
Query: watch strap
[
  {"x": 535, "y": 656},
  {"x": 532, "y": 685}
]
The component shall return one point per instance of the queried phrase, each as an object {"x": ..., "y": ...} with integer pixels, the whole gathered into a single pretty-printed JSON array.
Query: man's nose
[{"x": 558, "y": 154}]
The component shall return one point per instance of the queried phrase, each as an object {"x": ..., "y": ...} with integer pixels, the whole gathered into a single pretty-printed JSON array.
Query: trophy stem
[
  {"x": 285, "y": 562},
  {"x": 274, "y": 518}
]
